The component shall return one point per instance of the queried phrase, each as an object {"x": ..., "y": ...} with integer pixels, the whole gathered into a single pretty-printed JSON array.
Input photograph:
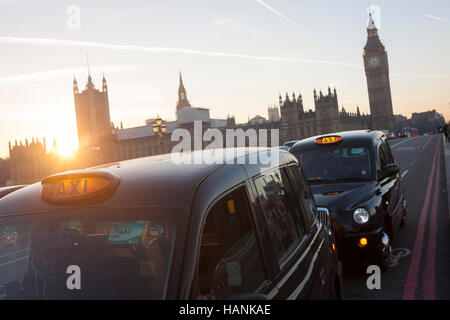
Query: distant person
[{"x": 447, "y": 131}]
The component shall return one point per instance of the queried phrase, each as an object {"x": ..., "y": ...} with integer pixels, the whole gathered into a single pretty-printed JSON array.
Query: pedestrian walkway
[{"x": 447, "y": 167}]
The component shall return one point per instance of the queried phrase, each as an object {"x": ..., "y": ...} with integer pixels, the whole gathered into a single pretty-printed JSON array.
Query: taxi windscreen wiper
[
  {"x": 320, "y": 180},
  {"x": 357, "y": 179}
]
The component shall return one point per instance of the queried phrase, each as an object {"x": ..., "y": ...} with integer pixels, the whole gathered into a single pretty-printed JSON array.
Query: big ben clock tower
[{"x": 377, "y": 73}]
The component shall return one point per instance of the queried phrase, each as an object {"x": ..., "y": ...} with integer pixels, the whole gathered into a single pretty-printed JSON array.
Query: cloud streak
[
  {"x": 69, "y": 72},
  {"x": 278, "y": 13},
  {"x": 436, "y": 18},
  {"x": 112, "y": 68},
  {"x": 100, "y": 45}
]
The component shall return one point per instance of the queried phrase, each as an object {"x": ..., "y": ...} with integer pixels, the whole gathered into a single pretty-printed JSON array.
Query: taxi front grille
[{"x": 324, "y": 216}]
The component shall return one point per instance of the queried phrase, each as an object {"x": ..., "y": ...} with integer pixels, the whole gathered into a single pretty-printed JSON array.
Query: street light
[{"x": 159, "y": 129}]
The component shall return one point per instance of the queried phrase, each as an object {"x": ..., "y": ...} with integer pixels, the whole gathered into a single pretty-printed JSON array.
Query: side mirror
[{"x": 388, "y": 171}]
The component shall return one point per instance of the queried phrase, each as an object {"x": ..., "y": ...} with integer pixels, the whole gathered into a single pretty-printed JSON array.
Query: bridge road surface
[{"x": 421, "y": 267}]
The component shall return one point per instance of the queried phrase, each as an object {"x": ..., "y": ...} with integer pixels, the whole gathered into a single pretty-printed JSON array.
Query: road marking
[
  {"x": 13, "y": 253},
  {"x": 398, "y": 253},
  {"x": 429, "y": 288},
  {"x": 426, "y": 143},
  {"x": 13, "y": 261},
  {"x": 411, "y": 279},
  {"x": 404, "y": 174},
  {"x": 399, "y": 143}
]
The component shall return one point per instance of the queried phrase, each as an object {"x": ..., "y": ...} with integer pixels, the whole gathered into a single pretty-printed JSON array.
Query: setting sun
[{"x": 66, "y": 150}]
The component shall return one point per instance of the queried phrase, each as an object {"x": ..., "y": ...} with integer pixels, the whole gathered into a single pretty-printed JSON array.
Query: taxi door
[
  {"x": 390, "y": 186},
  {"x": 298, "y": 251}
]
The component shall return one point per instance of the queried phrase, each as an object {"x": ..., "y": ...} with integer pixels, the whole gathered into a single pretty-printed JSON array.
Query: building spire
[
  {"x": 87, "y": 63},
  {"x": 182, "y": 96},
  {"x": 372, "y": 30}
]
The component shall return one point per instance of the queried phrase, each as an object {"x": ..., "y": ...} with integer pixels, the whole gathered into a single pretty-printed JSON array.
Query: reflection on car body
[
  {"x": 151, "y": 229},
  {"x": 357, "y": 180}
]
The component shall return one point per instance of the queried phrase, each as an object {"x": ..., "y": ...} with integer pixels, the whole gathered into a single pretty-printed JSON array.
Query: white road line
[
  {"x": 426, "y": 143},
  {"x": 404, "y": 174},
  {"x": 15, "y": 252},
  {"x": 13, "y": 261},
  {"x": 399, "y": 143}
]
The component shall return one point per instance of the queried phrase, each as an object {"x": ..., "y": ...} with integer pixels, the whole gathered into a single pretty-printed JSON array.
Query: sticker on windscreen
[
  {"x": 126, "y": 233},
  {"x": 357, "y": 151},
  {"x": 156, "y": 230}
]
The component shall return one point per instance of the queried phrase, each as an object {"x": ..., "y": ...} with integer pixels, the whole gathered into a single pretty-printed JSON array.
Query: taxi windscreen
[
  {"x": 336, "y": 163},
  {"x": 94, "y": 255}
]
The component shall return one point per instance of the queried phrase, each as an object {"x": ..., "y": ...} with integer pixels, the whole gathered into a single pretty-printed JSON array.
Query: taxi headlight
[{"x": 361, "y": 216}]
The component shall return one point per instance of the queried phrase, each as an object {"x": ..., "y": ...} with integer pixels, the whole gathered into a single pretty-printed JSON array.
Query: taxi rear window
[{"x": 85, "y": 256}]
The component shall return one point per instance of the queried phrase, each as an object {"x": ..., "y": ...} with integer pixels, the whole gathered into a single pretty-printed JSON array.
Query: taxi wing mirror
[{"x": 388, "y": 171}]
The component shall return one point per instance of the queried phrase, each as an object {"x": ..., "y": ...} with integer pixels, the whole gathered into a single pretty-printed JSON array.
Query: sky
[{"x": 236, "y": 57}]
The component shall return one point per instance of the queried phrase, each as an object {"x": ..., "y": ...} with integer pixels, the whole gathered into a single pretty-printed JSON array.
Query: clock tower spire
[{"x": 378, "y": 84}]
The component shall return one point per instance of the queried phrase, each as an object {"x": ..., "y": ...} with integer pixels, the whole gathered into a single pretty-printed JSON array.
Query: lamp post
[{"x": 159, "y": 129}]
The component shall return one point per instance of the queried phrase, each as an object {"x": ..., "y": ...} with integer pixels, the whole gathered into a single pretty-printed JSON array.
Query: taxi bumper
[{"x": 349, "y": 248}]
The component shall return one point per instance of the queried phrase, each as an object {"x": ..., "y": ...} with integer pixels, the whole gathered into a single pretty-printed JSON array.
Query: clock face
[{"x": 374, "y": 61}]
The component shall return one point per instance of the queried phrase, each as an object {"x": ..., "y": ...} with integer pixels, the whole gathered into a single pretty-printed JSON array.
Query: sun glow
[{"x": 66, "y": 150}]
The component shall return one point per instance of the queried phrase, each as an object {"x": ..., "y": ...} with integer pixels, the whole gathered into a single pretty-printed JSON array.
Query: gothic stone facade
[{"x": 297, "y": 123}]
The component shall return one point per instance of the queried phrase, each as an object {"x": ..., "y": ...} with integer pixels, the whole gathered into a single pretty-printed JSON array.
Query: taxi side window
[
  {"x": 388, "y": 152},
  {"x": 385, "y": 156},
  {"x": 304, "y": 194},
  {"x": 281, "y": 213},
  {"x": 383, "y": 159},
  {"x": 230, "y": 262}
]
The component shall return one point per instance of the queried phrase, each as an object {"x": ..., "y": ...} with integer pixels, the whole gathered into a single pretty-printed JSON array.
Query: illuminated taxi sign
[
  {"x": 328, "y": 140},
  {"x": 74, "y": 187}
]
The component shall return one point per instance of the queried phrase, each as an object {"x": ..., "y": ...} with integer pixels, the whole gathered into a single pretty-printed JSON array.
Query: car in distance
[
  {"x": 150, "y": 228},
  {"x": 389, "y": 134},
  {"x": 353, "y": 176}
]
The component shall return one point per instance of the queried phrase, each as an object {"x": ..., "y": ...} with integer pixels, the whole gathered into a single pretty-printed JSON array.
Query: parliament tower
[
  {"x": 377, "y": 74},
  {"x": 92, "y": 112}
]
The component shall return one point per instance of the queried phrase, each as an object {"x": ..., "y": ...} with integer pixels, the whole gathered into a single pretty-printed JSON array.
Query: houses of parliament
[{"x": 102, "y": 142}]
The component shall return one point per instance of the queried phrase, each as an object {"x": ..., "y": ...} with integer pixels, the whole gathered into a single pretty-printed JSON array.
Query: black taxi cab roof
[
  {"x": 148, "y": 181},
  {"x": 355, "y": 136}
]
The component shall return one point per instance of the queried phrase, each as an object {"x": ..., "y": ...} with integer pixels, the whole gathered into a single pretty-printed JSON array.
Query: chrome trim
[
  {"x": 328, "y": 218},
  {"x": 300, "y": 260},
  {"x": 299, "y": 289}
]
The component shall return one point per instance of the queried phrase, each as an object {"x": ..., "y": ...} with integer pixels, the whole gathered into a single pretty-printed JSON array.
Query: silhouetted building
[
  {"x": 92, "y": 112},
  {"x": 427, "y": 121},
  {"x": 298, "y": 123},
  {"x": 28, "y": 161},
  {"x": 377, "y": 74},
  {"x": 183, "y": 102},
  {"x": 5, "y": 171}
]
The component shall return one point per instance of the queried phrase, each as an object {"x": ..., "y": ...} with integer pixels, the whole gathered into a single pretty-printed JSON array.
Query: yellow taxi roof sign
[
  {"x": 328, "y": 140},
  {"x": 77, "y": 187}
]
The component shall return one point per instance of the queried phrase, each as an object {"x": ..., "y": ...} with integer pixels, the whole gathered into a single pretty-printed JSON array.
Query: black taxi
[
  {"x": 355, "y": 180},
  {"x": 151, "y": 228}
]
